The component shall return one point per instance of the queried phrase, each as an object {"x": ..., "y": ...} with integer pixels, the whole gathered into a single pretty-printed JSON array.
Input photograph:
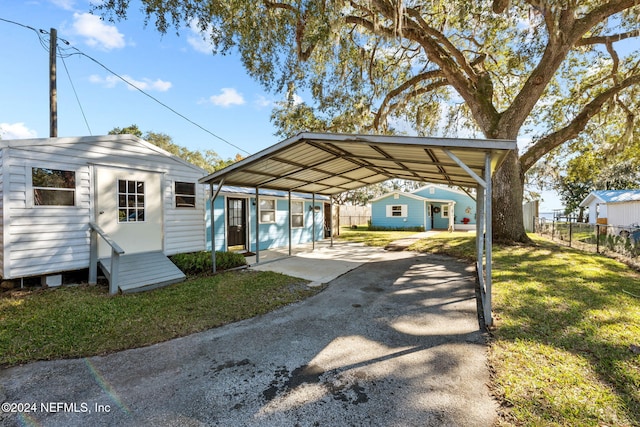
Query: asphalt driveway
[{"x": 395, "y": 342}]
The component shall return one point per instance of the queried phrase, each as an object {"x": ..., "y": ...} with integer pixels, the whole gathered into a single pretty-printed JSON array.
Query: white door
[{"x": 129, "y": 209}]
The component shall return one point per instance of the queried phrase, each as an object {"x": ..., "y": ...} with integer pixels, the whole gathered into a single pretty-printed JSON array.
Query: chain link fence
[{"x": 621, "y": 241}]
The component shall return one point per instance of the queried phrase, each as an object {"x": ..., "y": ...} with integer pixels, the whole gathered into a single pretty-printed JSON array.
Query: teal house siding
[
  {"x": 412, "y": 213},
  {"x": 272, "y": 234},
  {"x": 425, "y": 207},
  {"x": 465, "y": 206},
  {"x": 276, "y": 235},
  {"x": 219, "y": 208}
]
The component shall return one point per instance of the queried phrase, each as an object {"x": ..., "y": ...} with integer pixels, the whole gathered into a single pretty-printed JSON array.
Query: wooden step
[{"x": 144, "y": 271}]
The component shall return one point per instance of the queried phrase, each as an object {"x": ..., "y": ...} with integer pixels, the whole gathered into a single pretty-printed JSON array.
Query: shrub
[{"x": 200, "y": 262}]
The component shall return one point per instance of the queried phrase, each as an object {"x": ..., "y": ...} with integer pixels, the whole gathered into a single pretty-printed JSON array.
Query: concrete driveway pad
[{"x": 395, "y": 342}]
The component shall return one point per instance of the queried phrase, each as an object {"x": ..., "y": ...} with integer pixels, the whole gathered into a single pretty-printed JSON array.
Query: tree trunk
[{"x": 508, "y": 189}]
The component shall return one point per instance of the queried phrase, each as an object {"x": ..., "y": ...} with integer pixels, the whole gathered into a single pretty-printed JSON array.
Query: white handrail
[{"x": 116, "y": 251}]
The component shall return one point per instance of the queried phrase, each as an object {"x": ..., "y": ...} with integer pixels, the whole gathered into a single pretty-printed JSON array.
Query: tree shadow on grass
[{"x": 574, "y": 303}]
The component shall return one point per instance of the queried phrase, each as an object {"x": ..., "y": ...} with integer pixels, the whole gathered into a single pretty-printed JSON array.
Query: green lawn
[
  {"x": 565, "y": 344},
  {"x": 372, "y": 238},
  {"x": 77, "y": 321}
]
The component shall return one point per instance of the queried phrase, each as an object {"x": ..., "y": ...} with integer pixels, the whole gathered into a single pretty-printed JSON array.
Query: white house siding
[
  {"x": 53, "y": 239},
  {"x": 623, "y": 214},
  {"x": 597, "y": 209},
  {"x": 184, "y": 227},
  {"x": 46, "y": 239}
]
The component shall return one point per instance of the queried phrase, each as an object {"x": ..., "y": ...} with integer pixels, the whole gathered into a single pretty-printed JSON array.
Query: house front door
[
  {"x": 237, "y": 224},
  {"x": 129, "y": 209}
]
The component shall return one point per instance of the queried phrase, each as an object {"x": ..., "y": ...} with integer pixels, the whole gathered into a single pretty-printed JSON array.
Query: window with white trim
[
  {"x": 131, "y": 203},
  {"x": 53, "y": 187},
  {"x": 399, "y": 211},
  {"x": 267, "y": 211},
  {"x": 297, "y": 214},
  {"x": 185, "y": 194},
  {"x": 445, "y": 211}
]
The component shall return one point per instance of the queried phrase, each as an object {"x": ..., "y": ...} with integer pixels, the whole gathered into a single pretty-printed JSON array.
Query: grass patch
[
  {"x": 372, "y": 238},
  {"x": 459, "y": 244},
  {"x": 84, "y": 320},
  {"x": 565, "y": 337},
  {"x": 564, "y": 348}
]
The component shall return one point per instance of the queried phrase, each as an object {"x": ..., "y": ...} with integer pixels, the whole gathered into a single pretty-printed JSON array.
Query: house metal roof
[
  {"x": 411, "y": 196},
  {"x": 326, "y": 163},
  {"x": 612, "y": 196}
]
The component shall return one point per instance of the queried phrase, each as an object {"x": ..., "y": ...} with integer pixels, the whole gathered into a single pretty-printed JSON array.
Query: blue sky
[{"x": 180, "y": 71}]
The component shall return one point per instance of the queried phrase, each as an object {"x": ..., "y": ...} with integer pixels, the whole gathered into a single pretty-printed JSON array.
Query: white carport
[{"x": 329, "y": 164}]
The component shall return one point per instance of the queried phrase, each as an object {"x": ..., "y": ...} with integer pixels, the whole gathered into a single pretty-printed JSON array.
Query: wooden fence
[{"x": 354, "y": 215}]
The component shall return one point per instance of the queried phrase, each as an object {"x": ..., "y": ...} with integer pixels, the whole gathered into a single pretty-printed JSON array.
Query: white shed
[
  {"x": 619, "y": 208},
  {"x": 117, "y": 194}
]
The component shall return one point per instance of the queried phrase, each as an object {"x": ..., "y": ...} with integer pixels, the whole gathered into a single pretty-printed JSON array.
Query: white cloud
[
  {"x": 144, "y": 84},
  {"x": 262, "y": 102},
  {"x": 64, "y": 4},
  {"x": 16, "y": 131},
  {"x": 198, "y": 40},
  {"x": 297, "y": 99},
  {"x": 228, "y": 96},
  {"x": 96, "y": 33}
]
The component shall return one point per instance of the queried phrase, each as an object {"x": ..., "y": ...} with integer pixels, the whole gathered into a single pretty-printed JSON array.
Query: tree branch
[
  {"x": 403, "y": 87},
  {"x": 577, "y": 125},
  {"x": 561, "y": 40},
  {"x": 607, "y": 39},
  {"x": 273, "y": 5},
  {"x": 444, "y": 41}
]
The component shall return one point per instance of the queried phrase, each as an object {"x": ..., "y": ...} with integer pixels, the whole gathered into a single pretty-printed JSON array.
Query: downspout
[{"x": 313, "y": 221}]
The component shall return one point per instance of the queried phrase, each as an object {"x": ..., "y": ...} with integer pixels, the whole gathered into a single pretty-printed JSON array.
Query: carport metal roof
[{"x": 329, "y": 164}]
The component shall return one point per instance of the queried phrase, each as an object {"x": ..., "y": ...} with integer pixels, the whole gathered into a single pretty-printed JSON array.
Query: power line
[
  {"x": 76, "y": 94},
  {"x": 158, "y": 101},
  {"x": 79, "y": 52}
]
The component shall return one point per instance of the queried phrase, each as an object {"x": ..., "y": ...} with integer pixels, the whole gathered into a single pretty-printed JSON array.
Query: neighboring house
[
  {"x": 143, "y": 198},
  {"x": 235, "y": 219},
  {"x": 430, "y": 207},
  {"x": 619, "y": 208}
]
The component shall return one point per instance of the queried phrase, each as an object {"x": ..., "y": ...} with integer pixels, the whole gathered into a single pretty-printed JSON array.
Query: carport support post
[
  {"x": 290, "y": 223},
  {"x": 480, "y": 221},
  {"x": 331, "y": 219},
  {"x": 488, "y": 319},
  {"x": 257, "y": 226},
  {"x": 313, "y": 221}
]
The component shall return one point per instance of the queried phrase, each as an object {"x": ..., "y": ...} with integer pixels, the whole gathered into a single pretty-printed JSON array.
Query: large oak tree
[{"x": 499, "y": 68}]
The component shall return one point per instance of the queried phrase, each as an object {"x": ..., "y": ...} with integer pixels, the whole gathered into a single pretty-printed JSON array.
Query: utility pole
[{"x": 53, "y": 91}]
